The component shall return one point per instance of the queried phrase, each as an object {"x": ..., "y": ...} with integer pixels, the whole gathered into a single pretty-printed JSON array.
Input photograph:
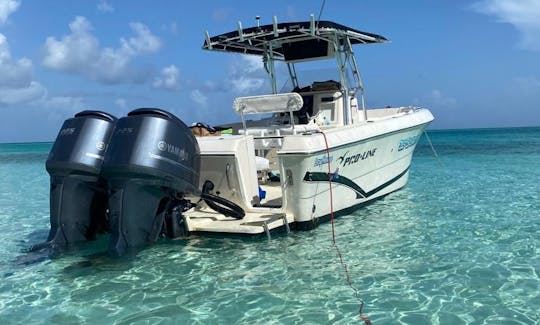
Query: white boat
[
  {"x": 315, "y": 152},
  {"x": 332, "y": 153}
]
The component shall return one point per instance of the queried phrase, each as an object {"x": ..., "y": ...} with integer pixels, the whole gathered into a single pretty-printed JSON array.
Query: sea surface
[{"x": 459, "y": 245}]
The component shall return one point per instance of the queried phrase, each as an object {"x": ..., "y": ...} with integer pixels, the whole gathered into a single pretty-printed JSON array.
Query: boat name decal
[
  {"x": 408, "y": 142},
  {"x": 172, "y": 149},
  {"x": 346, "y": 159},
  {"x": 323, "y": 160}
]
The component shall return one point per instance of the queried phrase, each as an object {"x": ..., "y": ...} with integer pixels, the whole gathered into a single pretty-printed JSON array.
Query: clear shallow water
[{"x": 460, "y": 244}]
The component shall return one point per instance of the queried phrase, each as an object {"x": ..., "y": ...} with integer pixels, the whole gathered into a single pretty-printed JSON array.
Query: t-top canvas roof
[{"x": 290, "y": 41}]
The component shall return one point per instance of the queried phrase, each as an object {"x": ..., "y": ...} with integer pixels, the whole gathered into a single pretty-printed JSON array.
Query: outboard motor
[
  {"x": 78, "y": 197},
  {"x": 152, "y": 161}
]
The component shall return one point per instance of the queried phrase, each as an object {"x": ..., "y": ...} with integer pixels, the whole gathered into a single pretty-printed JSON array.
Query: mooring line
[
  {"x": 338, "y": 251},
  {"x": 433, "y": 149}
]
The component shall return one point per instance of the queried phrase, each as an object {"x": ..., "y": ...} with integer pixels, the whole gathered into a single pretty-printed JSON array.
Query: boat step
[
  {"x": 252, "y": 223},
  {"x": 273, "y": 218}
]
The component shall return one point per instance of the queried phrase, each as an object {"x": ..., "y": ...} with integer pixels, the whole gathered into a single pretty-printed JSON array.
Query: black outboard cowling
[
  {"x": 153, "y": 160},
  {"x": 78, "y": 195}
]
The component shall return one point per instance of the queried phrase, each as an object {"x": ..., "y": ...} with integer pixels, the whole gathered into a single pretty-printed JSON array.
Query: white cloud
[
  {"x": 32, "y": 92},
  {"x": 13, "y": 73},
  {"x": 247, "y": 74},
  {"x": 246, "y": 84},
  {"x": 198, "y": 97},
  {"x": 168, "y": 78},
  {"x": 70, "y": 103},
  {"x": 104, "y": 6},
  {"x": 74, "y": 51},
  {"x": 79, "y": 52},
  {"x": 16, "y": 78},
  {"x": 7, "y": 7},
  {"x": 524, "y": 15},
  {"x": 252, "y": 63},
  {"x": 58, "y": 108},
  {"x": 143, "y": 42},
  {"x": 436, "y": 97}
]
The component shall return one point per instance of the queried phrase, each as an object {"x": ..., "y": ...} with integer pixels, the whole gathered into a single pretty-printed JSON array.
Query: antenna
[{"x": 320, "y": 12}]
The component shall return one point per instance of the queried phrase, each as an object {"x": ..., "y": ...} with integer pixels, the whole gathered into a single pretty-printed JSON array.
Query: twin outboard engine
[
  {"x": 127, "y": 177},
  {"x": 78, "y": 197},
  {"x": 152, "y": 161}
]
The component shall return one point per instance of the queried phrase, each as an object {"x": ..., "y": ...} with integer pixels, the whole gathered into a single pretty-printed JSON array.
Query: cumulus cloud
[
  {"x": 79, "y": 52},
  {"x": 28, "y": 93},
  {"x": 66, "y": 103},
  {"x": 246, "y": 84},
  {"x": 524, "y": 15},
  {"x": 7, "y": 7},
  {"x": 58, "y": 108},
  {"x": 252, "y": 63},
  {"x": 17, "y": 82},
  {"x": 143, "y": 42},
  {"x": 198, "y": 97},
  {"x": 104, "y": 6},
  {"x": 247, "y": 75},
  {"x": 13, "y": 73},
  {"x": 168, "y": 78}
]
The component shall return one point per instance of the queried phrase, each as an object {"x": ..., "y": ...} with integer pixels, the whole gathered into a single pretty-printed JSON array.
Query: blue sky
[{"x": 473, "y": 63}]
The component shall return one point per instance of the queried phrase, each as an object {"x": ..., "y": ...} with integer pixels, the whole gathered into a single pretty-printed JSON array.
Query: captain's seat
[{"x": 306, "y": 111}]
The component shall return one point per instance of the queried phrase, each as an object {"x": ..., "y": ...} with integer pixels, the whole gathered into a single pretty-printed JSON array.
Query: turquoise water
[{"x": 459, "y": 245}]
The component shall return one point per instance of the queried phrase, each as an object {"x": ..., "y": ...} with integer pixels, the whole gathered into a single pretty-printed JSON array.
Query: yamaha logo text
[{"x": 172, "y": 149}]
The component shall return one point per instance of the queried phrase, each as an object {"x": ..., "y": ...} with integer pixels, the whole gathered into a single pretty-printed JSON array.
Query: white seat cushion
[{"x": 262, "y": 163}]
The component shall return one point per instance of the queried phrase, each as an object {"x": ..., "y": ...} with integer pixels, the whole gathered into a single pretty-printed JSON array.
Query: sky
[{"x": 474, "y": 64}]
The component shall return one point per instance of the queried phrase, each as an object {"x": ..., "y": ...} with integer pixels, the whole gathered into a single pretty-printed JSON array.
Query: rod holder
[
  {"x": 240, "y": 32},
  {"x": 207, "y": 37}
]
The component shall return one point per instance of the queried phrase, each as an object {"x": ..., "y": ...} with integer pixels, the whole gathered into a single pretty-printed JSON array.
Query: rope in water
[
  {"x": 433, "y": 149},
  {"x": 338, "y": 251}
]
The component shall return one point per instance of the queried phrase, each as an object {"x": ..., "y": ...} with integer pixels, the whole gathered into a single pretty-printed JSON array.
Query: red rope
[
  {"x": 343, "y": 264},
  {"x": 330, "y": 186}
]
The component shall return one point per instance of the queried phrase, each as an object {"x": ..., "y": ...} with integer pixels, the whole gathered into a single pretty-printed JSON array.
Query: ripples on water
[{"x": 458, "y": 245}]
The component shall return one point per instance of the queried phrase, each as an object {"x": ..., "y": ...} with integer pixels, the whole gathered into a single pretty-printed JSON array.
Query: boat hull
[
  {"x": 339, "y": 177},
  {"x": 366, "y": 161}
]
